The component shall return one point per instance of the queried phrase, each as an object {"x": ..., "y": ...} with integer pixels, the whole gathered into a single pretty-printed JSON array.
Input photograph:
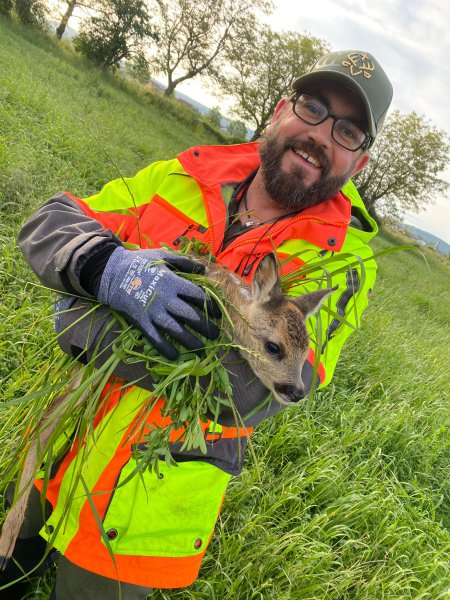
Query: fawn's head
[{"x": 277, "y": 336}]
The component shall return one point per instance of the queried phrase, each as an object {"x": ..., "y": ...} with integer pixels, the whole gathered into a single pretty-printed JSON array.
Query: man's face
[{"x": 301, "y": 164}]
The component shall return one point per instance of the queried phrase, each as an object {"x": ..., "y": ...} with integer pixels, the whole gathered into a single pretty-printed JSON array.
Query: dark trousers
[{"x": 72, "y": 582}]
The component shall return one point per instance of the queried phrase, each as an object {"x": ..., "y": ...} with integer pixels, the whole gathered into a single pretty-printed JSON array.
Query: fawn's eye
[{"x": 273, "y": 348}]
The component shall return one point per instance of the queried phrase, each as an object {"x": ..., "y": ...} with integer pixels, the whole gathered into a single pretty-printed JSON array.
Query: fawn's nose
[{"x": 292, "y": 393}]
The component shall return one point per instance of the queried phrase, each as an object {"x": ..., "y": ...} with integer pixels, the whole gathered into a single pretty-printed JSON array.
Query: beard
[{"x": 288, "y": 189}]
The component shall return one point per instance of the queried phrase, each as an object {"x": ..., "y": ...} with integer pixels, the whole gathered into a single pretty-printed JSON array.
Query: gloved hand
[{"x": 141, "y": 285}]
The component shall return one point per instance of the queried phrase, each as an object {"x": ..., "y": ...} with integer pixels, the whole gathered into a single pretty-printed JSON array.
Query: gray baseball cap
[{"x": 360, "y": 72}]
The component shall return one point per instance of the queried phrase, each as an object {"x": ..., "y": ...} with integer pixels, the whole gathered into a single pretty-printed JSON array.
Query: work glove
[{"x": 142, "y": 286}]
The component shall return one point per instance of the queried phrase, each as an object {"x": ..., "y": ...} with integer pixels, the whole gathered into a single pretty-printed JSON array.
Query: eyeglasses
[{"x": 344, "y": 132}]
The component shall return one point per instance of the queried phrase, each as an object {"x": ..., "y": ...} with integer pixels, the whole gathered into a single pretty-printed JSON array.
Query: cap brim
[{"x": 345, "y": 80}]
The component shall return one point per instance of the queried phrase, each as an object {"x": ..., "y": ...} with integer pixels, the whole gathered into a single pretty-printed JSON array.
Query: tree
[
  {"x": 261, "y": 69},
  {"x": 406, "y": 162},
  {"x": 71, "y": 4},
  {"x": 192, "y": 35},
  {"x": 32, "y": 12},
  {"x": 6, "y": 7},
  {"x": 87, "y": 5},
  {"x": 237, "y": 129},
  {"x": 115, "y": 32},
  {"x": 214, "y": 117},
  {"x": 138, "y": 67}
]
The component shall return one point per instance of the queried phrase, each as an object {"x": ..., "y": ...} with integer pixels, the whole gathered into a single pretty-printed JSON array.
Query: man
[{"x": 243, "y": 201}]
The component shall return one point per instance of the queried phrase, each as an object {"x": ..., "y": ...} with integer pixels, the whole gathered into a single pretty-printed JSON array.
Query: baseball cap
[{"x": 360, "y": 72}]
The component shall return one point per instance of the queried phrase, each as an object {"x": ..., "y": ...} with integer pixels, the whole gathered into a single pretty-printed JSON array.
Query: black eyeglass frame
[{"x": 365, "y": 144}]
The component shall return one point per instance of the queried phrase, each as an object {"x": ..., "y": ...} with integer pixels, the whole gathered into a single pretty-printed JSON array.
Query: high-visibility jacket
[{"x": 156, "y": 531}]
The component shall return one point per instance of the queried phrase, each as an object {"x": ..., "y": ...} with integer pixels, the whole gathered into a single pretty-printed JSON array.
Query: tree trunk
[
  {"x": 65, "y": 18},
  {"x": 168, "y": 92},
  {"x": 256, "y": 135}
]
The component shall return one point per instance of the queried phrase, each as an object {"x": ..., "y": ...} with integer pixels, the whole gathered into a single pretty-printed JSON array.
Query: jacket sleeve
[
  {"x": 58, "y": 239},
  {"x": 66, "y": 232}
]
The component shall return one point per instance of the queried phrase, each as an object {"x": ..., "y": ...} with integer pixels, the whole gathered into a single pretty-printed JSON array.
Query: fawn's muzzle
[{"x": 290, "y": 393}]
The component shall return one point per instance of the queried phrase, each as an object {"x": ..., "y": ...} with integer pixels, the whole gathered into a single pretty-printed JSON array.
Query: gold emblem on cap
[{"x": 359, "y": 64}]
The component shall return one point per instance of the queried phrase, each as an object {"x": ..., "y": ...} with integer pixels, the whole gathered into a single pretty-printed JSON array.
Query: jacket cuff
[{"x": 92, "y": 271}]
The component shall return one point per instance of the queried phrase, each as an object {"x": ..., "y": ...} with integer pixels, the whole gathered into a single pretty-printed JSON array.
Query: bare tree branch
[{"x": 193, "y": 35}]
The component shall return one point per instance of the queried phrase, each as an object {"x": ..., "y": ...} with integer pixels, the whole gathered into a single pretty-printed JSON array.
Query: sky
[{"x": 409, "y": 38}]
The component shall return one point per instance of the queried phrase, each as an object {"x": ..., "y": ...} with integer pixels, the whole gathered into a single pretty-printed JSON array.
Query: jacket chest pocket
[
  {"x": 171, "y": 515},
  {"x": 162, "y": 223}
]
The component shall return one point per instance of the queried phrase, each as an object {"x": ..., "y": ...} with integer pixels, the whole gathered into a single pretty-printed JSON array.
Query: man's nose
[{"x": 321, "y": 134}]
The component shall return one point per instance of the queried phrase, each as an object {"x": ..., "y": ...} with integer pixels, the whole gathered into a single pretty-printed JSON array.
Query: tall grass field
[{"x": 347, "y": 498}]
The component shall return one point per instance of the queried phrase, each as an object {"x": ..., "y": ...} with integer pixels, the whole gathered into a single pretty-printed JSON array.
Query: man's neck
[{"x": 261, "y": 207}]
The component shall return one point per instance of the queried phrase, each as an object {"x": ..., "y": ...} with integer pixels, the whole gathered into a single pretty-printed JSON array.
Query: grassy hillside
[
  {"x": 349, "y": 499},
  {"x": 65, "y": 125}
]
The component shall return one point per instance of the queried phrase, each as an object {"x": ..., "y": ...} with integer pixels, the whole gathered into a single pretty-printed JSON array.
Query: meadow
[{"x": 346, "y": 497}]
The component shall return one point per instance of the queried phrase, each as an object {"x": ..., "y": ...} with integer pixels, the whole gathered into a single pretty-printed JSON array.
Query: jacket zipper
[
  {"x": 113, "y": 492},
  {"x": 199, "y": 228},
  {"x": 180, "y": 215}
]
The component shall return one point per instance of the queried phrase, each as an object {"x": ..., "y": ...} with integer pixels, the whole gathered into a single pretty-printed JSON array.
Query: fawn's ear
[
  {"x": 311, "y": 303},
  {"x": 266, "y": 285}
]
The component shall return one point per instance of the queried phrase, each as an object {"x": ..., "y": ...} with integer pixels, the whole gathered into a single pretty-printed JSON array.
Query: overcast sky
[{"x": 411, "y": 40}]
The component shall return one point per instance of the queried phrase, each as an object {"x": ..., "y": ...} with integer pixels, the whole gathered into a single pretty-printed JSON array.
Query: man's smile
[
  {"x": 308, "y": 158},
  {"x": 297, "y": 172}
]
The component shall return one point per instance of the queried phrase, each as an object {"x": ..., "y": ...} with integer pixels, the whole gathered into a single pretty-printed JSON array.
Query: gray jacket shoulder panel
[{"x": 58, "y": 239}]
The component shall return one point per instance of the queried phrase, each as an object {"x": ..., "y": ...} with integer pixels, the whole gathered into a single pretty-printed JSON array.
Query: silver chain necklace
[{"x": 249, "y": 221}]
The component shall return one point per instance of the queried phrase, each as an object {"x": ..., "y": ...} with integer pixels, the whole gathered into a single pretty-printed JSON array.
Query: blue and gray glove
[{"x": 142, "y": 286}]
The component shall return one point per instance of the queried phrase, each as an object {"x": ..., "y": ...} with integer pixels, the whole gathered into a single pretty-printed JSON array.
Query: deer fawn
[{"x": 271, "y": 325}]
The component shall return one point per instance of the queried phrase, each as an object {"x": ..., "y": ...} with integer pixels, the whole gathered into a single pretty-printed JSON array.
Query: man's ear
[
  {"x": 279, "y": 109},
  {"x": 362, "y": 162}
]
